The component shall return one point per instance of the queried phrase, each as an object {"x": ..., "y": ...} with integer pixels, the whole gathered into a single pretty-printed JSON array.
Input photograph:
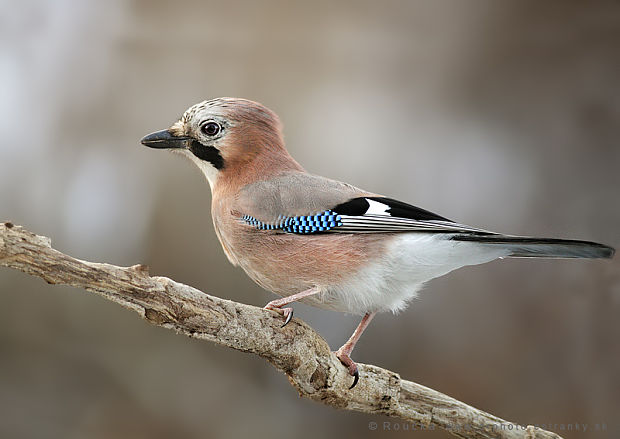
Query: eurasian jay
[{"x": 319, "y": 241}]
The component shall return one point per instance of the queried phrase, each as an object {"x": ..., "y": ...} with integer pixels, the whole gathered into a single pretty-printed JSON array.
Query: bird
[{"x": 323, "y": 242}]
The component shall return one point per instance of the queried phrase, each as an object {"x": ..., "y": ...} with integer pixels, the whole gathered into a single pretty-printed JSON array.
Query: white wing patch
[{"x": 376, "y": 208}]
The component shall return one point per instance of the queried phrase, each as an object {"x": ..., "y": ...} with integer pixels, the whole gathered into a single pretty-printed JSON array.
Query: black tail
[{"x": 525, "y": 247}]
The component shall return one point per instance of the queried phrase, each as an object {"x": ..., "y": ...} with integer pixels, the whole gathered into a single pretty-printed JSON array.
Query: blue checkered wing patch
[{"x": 304, "y": 224}]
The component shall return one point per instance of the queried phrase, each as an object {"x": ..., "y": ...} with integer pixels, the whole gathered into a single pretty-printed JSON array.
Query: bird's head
[{"x": 226, "y": 136}]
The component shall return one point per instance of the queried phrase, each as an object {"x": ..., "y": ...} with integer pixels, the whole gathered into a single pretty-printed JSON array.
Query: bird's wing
[
  {"x": 293, "y": 194},
  {"x": 304, "y": 203},
  {"x": 382, "y": 214}
]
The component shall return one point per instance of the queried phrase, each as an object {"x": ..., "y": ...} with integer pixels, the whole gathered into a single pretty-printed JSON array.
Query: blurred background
[{"x": 503, "y": 115}]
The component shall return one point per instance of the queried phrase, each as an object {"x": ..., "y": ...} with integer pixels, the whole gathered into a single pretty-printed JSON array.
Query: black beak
[{"x": 164, "y": 139}]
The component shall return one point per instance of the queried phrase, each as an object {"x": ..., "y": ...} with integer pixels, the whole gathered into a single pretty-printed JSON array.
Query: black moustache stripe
[{"x": 208, "y": 153}]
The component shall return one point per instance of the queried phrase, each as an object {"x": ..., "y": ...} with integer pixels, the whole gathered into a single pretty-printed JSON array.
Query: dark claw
[
  {"x": 288, "y": 319},
  {"x": 356, "y": 378}
]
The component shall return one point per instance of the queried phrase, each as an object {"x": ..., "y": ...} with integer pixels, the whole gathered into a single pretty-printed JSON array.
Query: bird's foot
[
  {"x": 345, "y": 359},
  {"x": 286, "y": 312}
]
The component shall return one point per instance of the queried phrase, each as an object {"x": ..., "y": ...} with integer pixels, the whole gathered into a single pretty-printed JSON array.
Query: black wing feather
[
  {"x": 358, "y": 216},
  {"x": 359, "y": 206}
]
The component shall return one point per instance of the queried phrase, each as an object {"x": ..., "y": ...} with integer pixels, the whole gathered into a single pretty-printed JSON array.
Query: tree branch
[{"x": 297, "y": 350}]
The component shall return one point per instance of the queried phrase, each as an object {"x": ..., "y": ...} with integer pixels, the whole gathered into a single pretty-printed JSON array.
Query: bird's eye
[{"x": 211, "y": 128}]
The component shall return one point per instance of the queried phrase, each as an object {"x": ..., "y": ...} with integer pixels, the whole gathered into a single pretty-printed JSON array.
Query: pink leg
[
  {"x": 277, "y": 304},
  {"x": 344, "y": 353}
]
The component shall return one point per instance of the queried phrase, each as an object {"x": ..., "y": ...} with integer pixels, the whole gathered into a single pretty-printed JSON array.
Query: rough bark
[{"x": 296, "y": 350}]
